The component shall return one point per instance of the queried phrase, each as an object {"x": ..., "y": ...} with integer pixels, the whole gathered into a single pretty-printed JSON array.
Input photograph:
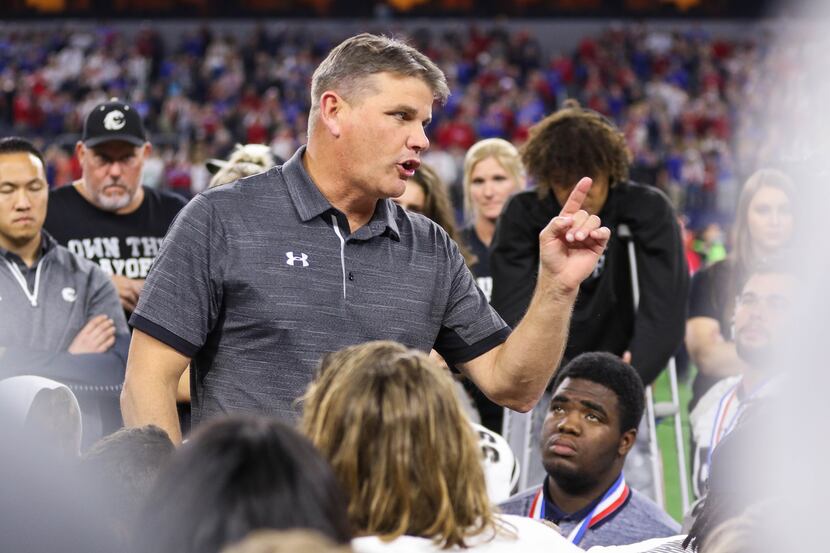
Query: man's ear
[
  {"x": 332, "y": 107},
  {"x": 80, "y": 151},
  {"x": 146, "y": 150},
  {"x": 627, "y": 442}
]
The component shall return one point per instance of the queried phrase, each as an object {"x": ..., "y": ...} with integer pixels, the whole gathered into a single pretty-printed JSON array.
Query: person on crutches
[{"x": 568, "y": 144}]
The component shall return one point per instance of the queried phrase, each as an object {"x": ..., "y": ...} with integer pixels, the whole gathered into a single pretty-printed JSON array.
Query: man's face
[
  {"x": 596, "y": 196},
  {"x": 112, "y": 172},
  {"x": 23, "y": 199},
  {"x": 761, "y": 314},
  {"x": 581, "y": 440},
  {"x": 382, "y": 134}
]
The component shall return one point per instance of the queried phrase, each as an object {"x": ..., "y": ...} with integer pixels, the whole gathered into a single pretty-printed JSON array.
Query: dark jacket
[{"x": 603, "y": 317}]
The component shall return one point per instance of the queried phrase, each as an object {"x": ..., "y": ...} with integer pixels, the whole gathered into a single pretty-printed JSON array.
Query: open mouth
[{"x": 407, "y": 168}]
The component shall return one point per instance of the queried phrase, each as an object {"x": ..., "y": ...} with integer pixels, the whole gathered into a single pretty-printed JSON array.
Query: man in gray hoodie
[{"x": 60, "y": 316}]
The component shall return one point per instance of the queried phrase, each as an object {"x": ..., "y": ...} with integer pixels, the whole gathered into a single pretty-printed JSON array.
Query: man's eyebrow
[
  {"x": 560, "y": 398},
  {"x": 594, "y": 406}
]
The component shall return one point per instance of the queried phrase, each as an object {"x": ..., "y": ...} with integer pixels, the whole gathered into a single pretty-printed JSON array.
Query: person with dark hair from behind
[
  {"x": 234, "y": 476},
  {"x": 123, "y": 467},
  {"x": 60, "y": 315},
  {"x": 590, "y": 427},
  {"x": 388, "y": 420}
]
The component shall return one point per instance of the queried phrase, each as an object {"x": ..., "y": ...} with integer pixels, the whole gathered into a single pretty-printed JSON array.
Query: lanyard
[
  {"x": 610, "y": 503},
  {"x": 721, "y": 428},
  {"x": 21, "y": 280}
]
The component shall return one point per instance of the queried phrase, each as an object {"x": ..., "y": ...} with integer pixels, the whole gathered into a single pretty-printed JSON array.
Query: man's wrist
[{"x": 553, "y": 289}]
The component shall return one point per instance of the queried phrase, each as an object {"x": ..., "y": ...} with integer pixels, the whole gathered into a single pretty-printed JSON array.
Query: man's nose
[
  {"x": 22, "y": 202},
  {"x": 115, "y": 169},
  {"x": 569, "y": 424},
  {"x": 418, "y": 140}
]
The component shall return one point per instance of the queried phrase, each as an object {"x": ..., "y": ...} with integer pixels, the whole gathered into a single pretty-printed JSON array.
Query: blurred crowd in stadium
[
  {"x": 564, "y": 179},
  {"x": 674, "y": 95}
]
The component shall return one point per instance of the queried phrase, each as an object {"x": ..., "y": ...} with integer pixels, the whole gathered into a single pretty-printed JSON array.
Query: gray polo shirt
[{"x": 258, "y": 279}]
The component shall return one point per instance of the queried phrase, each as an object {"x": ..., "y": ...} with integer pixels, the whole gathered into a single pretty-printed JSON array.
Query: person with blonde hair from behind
[
  {"x": 388, "y": 421},
  {"x": 286, "y": 541},
  {"x": 244, "y": 161},
  {"x": 493, "y": 172}
]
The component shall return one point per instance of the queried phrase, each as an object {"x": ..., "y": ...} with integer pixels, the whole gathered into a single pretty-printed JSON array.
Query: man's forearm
[
  {"x": 150, "y": 401},
  {"x": 526, "y": 362},
  {"x": 718, "y": 360},
  {"x": 149, "y": 395}
]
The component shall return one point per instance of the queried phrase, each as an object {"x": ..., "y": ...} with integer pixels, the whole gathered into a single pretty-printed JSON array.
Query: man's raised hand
[{"x": 572, "y": 243}]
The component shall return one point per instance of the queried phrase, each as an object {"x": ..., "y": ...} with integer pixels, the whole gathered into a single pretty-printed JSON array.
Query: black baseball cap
[{"x": 113, "y": 120}]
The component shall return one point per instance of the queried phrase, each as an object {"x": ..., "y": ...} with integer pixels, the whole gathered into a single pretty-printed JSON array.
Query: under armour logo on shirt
[
  {"x": 69, "y": 294},
  {"x": 302, "y": 258}
]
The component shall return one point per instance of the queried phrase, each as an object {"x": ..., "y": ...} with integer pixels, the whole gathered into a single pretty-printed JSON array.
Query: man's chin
[
  {"x": 113, "y": 203},
  {"x": 755, "y": 356}
]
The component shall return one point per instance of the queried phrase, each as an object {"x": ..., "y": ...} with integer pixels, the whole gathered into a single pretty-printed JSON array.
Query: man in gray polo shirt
[{"x": 258, "y": 279}]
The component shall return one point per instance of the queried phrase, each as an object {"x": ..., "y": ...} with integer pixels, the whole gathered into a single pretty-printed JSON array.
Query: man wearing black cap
[{"x": 108, "y": 216}]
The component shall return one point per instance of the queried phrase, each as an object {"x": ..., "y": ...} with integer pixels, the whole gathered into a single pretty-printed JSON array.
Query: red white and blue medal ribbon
[
  {"x": 610, "y": 503},
  {"x": 721, "y": 428}
]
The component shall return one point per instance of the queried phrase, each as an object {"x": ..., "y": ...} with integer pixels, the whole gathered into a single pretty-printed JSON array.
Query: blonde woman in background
[
  {"x": 387, "y": 419},
  {"x": 764, "y": 228},
  {"x": 493, "y": 172}
]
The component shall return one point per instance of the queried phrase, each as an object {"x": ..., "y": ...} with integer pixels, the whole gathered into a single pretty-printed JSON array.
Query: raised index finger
[{"x": 577, "y": 197}]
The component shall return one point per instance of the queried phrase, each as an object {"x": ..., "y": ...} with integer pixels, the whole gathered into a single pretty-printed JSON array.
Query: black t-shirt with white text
[{"x": 122, "y": 245}]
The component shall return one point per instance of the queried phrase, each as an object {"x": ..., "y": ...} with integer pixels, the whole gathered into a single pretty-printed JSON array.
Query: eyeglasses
[{"x": 774, "y": 303}]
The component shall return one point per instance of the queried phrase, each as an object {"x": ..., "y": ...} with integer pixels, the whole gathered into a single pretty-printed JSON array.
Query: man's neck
[
  {"x": 570, "y": 502},
  {"x": 28, "y": 251},
  {"x": 751, "y": 379},
  {"x": 357, "y": 208},
  {"x": 485, "y": 229}
]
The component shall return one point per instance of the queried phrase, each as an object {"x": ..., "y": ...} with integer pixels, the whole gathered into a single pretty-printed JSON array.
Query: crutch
[
  {"x": 663, "y": 409},
  {"x": 517, "y": 429}
]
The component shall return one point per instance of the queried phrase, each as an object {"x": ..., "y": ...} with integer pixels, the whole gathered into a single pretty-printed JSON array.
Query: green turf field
[{"x": 665, "y": 438}]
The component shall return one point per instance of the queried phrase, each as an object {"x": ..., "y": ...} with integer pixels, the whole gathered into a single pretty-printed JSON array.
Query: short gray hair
[{"x": 348, "y": 65}]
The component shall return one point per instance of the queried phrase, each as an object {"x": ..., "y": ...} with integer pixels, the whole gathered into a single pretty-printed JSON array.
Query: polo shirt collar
[
  {"x": 47, "y": 243},
  {"x": 310, "y": 202}
]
